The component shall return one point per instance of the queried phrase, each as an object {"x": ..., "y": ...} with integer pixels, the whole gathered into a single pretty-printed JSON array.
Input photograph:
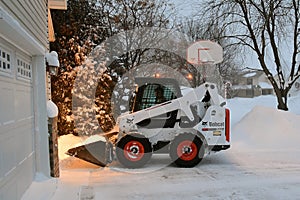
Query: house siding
[
  {"x": 31, "y": 15},
  {"x": 248, "y": 85}
]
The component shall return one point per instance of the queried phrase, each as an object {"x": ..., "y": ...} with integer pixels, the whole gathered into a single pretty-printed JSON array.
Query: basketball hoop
[{"x": 204, "y": 52}]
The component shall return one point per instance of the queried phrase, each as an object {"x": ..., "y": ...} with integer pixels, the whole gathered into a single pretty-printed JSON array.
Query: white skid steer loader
[{"x": 161, "y": 120}]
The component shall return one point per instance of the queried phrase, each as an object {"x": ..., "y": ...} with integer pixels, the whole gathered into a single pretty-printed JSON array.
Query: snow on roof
[
  {"x": 248, "y": 75},
  {"x": 265, "y": 85}
]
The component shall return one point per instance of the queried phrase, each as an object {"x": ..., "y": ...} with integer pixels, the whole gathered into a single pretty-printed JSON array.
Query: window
[
  {"x": 249, "y": 81},
  {"x": 5, "y": 61},
  {"x": 24, "y": 69},
  {"x": 147, "y": 96}
]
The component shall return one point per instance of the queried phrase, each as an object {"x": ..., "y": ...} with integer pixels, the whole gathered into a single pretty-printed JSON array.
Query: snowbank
[
  {"x": 239, "y": 107},
  {"x": 267, "y": 128},
  {"x": 67, "y": 142}
]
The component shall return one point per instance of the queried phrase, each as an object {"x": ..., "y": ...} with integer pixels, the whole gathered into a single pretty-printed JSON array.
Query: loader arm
[{"x": 127, "y": 122}]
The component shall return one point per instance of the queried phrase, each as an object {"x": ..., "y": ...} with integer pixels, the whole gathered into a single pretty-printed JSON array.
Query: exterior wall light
[{"x": 52, "y": 63}]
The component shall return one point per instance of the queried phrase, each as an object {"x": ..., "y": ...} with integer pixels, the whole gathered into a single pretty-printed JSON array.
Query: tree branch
[{"x": 295, "y": 38}]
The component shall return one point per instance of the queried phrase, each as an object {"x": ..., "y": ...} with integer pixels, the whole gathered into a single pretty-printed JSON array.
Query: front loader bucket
[{"x": 99, "y": 153}]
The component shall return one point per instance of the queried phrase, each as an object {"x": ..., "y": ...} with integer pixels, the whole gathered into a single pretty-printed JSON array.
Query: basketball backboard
[{"x": 204, "y": 52}]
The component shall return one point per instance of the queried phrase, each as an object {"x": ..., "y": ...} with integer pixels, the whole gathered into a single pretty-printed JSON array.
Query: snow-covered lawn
[{"x": 262, "y": 163}]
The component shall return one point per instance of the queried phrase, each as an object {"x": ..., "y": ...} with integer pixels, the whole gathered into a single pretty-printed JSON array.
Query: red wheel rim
[
  {"x": 187, "y": 150},
  {"x": 134, "y": 151}
]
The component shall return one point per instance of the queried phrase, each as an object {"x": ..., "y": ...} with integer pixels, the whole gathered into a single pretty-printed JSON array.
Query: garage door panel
[
  {"x": 9, "y": 191},
  {"x": 13, "y": 188},
  {"x": 7, "y": 107},
  {"x": 23, "y": 118},
  {"x": 16, "y": 145},
  {"x": 24, "y": 145},
  {"x": 8, "y": 155},
  {"x": 23, "y": 104},
  {"x": 16, "y": 112}
]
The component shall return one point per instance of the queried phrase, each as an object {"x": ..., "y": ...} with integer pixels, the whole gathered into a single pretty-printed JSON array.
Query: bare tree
[
  {"x": 204, "y": 27},
  {"x": 264, "y": 26},
  {"x": 125, "y": 15}
]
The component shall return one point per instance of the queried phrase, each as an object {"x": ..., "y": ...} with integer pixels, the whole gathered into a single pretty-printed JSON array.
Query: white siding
[{"x": 31, "y": 15}]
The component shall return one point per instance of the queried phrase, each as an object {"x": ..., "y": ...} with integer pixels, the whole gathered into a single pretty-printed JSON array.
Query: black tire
[
  {"x": 134, "y": 151},
  {"x": 186, "y": 150}
]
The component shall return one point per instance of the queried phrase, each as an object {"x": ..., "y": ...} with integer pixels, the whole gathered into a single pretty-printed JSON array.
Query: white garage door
[{"x": 16, "y": 121}]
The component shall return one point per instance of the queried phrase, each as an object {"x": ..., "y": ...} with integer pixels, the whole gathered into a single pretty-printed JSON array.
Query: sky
[{"x": 186, "y": 7}]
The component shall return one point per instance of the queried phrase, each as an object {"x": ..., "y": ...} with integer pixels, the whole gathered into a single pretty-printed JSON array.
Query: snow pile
[
  {"x": 66, "y": 142},
  {"x": 267, "y": 128},
  {"x": 69, "y": 141},
  {"x": 239, "y": 107}
]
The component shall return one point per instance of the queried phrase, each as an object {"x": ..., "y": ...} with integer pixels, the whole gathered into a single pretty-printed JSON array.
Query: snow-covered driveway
[
  {"x": 262, "y": 163},
  {"x": 235, "y": 174},
  {"x": 227, "y": 175}
]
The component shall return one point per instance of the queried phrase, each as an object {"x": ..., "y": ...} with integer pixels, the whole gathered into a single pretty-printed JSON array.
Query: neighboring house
[
  {"x": 24, "y": 145},
  {"x": 250, "y": 83}
]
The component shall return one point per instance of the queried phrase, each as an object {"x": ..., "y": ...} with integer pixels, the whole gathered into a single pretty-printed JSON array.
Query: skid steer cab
[{"x": 162, "y": 120}]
